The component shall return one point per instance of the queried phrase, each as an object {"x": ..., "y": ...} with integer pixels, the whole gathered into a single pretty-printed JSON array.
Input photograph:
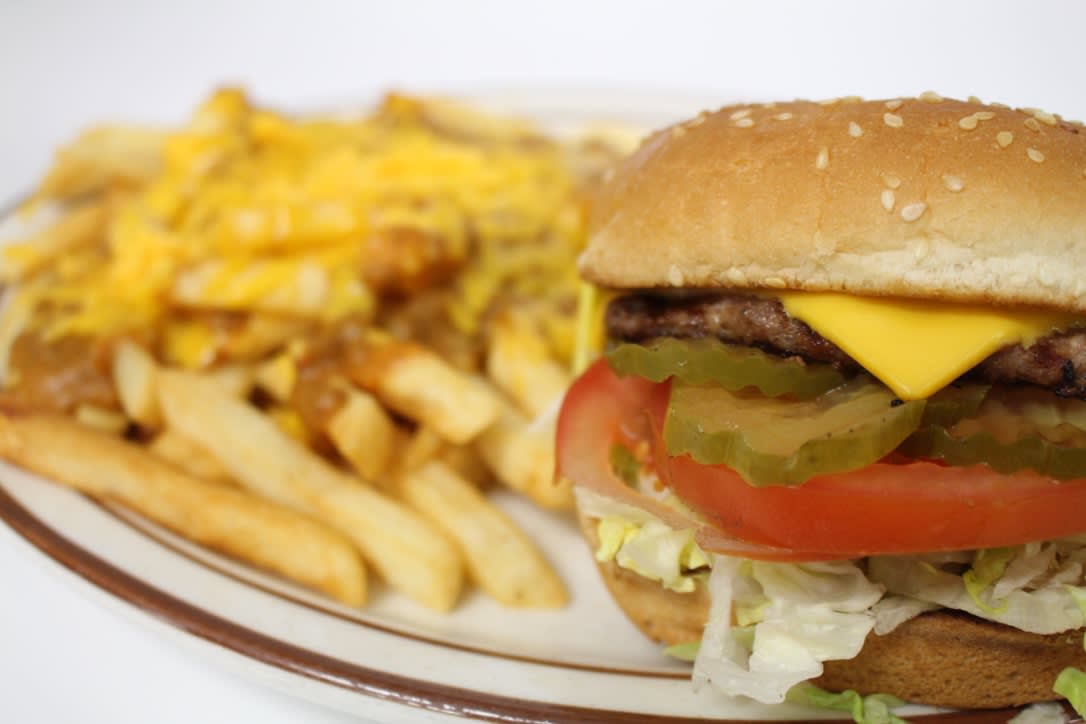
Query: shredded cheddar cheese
[{"x": 252, "y": 211}]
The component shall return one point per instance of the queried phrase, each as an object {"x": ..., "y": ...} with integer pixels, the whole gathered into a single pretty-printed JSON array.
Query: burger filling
[{"x": 819, "y": 502}]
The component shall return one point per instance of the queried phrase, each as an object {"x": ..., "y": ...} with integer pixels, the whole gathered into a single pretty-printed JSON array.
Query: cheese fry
[
  {"x": 500, "y": 558},
  {"x": 84, "y": 224},
  {"x": 256, "y": 531},
  {"x": 522, "y": 456},
  {"x": 406, "y": 550},
  {"x": 103, "y": 157},
  {"x": 518, "y": 360}
]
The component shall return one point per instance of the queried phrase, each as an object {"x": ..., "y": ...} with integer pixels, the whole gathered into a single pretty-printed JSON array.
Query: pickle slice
[
  {"x": 1035, "y": 452},
  {"x": 1014, "y": 429},
  {"x": 701, "y": 361},
  {"x": 954, "y": 403},
  {"x": 774, "y": 441}
]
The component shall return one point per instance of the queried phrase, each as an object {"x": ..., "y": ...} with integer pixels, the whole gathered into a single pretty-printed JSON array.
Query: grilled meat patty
[{"x": 1057, "y": 361}]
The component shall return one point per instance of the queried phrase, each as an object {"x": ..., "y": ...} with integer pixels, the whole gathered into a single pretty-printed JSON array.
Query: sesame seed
[
  {"x": 775, "y": 282},
  {"x": 974, "y": 99},
  {"x": 1032, "y": 124},
  {"x": 829, "y": 102},
  {"x": 930, "y": 97},
  {"x": 953, "y": 183},
  {"x": 678, "y": 131},
  {"x": 921, "y": 249},
  {"x": 968, "y": 123},
  {"x": 887, "y": 199},
  {"x": 741, "y": 113},
  {"x": 736, "y": 276},
  {"x": 1030, "y": 110},
  {"x": 893, "y": 105},
  {"x": 697, "y": 120},
  {"x": 984, "y": 115},
  {"x": 1004, "y": 138},
  {"x": 1046, "y": 118},
  {"x": 782, "y": 116},
  {"x": 675, "y": 276},
  {"x": 993, "y": 104},
  {"x": 912, "y": 212},
  {"x": 744, "y": 123},
  {"x": 854, "y": 129},
  {"x": 823, "y": 159},
  {"x": 891, "y": 181},
  {"x": 892, "y": 120},
  {"x": 1035, "y": 155}
]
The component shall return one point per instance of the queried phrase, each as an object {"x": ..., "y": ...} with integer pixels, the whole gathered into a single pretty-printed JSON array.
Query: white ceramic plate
[{"x": 584, "y": 663}]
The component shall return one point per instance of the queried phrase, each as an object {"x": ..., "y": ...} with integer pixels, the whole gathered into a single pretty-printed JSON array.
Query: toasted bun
[
  {"x": 942, "y": 658},
  {"x": 926, "y": 198}
]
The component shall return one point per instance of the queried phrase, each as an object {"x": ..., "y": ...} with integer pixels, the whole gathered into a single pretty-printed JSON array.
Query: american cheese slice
[{"x": 917, "y": 347}]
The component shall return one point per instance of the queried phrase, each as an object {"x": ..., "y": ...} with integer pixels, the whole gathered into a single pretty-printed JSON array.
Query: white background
[{"x": 64, "y": 657}]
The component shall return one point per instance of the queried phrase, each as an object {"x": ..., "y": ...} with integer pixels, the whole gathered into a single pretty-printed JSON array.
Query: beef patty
[{"x": 1056, "y": 361}]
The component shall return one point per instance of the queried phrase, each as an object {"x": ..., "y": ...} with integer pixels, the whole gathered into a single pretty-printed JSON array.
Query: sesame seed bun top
[{"x": 920, "y": 197}]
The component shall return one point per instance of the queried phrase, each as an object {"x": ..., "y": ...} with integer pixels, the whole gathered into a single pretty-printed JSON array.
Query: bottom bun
[{"x": 941, "y": 658}]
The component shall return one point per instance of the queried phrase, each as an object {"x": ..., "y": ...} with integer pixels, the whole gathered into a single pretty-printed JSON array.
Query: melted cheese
[{"x": 917, "y": 347}]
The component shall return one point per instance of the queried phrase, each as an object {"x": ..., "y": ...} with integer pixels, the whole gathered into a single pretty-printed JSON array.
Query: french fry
[
  {"x": 519, "y": 361},
  {"x": 364, "y": 434},
  {"x": 499, "y": 557},
  {"x": 236, "y": 380},
  {"x": 134, "y": 372},
  {"x": 277, "y": 376},
  {"x": 101, "y": 158},
  {"x": 420, "y": 385},
  {"x": 189, "y": 456},
  {"x": 101, "y": 418},
  {"x": 521, "y": 454},
  {"x": 406, "y": 550},
  {"x": 240, "y": 525},
  {"x": 83, "y": 224}
]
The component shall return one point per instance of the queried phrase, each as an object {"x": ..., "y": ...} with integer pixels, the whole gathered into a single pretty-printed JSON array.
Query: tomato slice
[{"x": 882, "y": 509}]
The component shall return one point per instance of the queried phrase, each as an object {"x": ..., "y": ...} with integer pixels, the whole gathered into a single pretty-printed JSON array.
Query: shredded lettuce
[
  {"x": 988, "y": 567},
  {"x": 652, "y": 550},
  {"x": 1032, "y": 590},
  {"x": 815, "y": 612},
  {"x": 684, "y": 652},
  {"x": 1048, "y": 712},
  {"x": 1071, "y": 683},
  {"x": 870, "y": 709}
]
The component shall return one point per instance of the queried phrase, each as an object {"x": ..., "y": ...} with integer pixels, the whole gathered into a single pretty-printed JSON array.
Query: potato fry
[
  {"x": 253, "y": 530},
  {"x": 420, "y": 385},
  {"x": 364, "y": 434},
  {"x": 277, "y": 376},
  {"x": 103, "y": 157},
  {"x": 101, "y": 418},
  {"x": 134, "y": 372},
  {"x": 236, "y": 380},
  {"x": 522, "y": 456},
  {"x": 500, "y": 558},
  {"x": 406, "y": 550},
  {"x": 84, "y": 224},
  {"x": 189, "y": 456},
  {"x": 519, "y": 362}
]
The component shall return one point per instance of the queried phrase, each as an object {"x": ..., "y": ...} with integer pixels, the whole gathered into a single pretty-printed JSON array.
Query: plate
[{"x": 585, "y": 662}]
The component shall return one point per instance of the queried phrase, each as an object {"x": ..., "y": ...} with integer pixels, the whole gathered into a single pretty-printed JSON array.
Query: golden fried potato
[{"x": 243, "y": 526}]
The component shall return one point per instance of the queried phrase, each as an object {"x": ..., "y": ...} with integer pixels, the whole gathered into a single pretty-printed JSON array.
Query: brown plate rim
[{"x": 386, "y": 686}]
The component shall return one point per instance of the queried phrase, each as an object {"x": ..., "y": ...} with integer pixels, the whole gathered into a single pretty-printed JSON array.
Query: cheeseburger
[{"x": 837, "y": 438}]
